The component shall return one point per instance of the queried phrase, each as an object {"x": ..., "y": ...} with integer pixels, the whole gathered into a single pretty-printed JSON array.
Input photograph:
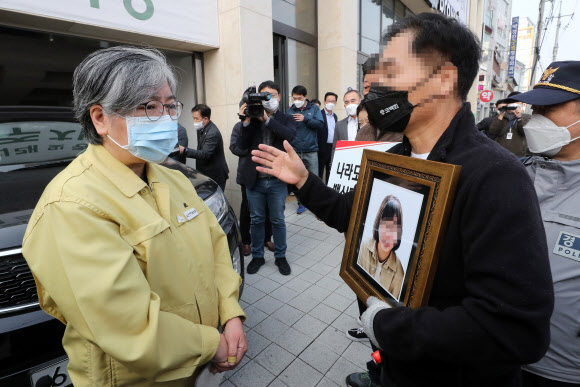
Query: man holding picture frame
[{"x": 492, "y": 295}]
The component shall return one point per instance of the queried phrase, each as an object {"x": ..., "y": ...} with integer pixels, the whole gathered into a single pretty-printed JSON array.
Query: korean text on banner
[
  {"x": 347, "y": 160},
  {"x": 513, "y": 46}
]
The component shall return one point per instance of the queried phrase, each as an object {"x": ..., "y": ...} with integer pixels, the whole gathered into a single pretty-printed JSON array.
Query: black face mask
[{"x": 388, "y": 110}]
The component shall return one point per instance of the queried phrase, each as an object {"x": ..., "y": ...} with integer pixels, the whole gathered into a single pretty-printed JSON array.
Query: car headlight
[
  {"x": 236, "y": 261},
  {"x": 218, "y": 204}
]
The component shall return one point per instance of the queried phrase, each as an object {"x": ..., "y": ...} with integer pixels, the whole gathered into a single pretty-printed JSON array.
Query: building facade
[
  {"x": 218, "y": 47},
  {"x": 525, "y": 52},
  {"x": 495, "y": 39}
]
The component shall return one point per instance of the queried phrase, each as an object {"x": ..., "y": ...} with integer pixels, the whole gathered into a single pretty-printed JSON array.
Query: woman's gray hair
[{"x": 118, "y": 79}]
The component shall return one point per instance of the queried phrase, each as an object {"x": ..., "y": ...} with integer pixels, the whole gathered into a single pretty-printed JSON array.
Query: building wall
[
  {"x": 495, "y": 36},
  {"x": 337, "y": 49},
  {"x": 525, "y": 50},
  {"x": 243, "y": 59}
]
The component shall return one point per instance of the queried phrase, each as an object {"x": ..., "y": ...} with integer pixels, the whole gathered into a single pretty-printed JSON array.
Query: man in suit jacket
[
  {"x": 326, "y": 134},
  {"x": 347, "y": 128},
  {"x": 209, "y": 154}
]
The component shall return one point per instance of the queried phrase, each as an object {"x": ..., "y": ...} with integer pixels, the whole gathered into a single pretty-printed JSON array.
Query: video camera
[
  {"x": 509, "y": 108},
  {"x": 253, "y": 101}
]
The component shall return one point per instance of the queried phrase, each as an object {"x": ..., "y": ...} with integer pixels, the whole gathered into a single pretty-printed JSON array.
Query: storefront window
[
  {"x": 300, "y": 14},
  {"x": 302, "y": 68},
  {"x": 375, "y": 18},
  {"x": 399, "y": 11},
  {"x": 39, "y": 69},
  {"x": 388, "y": 15},
  {"x": 370, "y": 26}
]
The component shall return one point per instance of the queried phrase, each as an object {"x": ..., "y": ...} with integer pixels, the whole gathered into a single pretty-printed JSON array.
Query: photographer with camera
[
  {"x": 262, "y": 123},
  {"x": 507, "y": 129}
]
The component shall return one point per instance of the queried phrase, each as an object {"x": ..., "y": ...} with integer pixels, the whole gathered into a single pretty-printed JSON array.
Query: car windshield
[{"x": 32, "y": 153}]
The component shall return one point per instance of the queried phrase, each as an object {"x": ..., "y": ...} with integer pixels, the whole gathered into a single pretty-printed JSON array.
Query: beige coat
[
  {"x": 141, "y": 275},
  {"x": 389, "y": 274}
]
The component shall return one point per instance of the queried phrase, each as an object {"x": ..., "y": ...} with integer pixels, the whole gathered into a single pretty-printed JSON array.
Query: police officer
[{"x": 553, "y": 135}]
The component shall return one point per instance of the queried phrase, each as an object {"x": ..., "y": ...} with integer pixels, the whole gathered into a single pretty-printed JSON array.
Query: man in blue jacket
[{"x": 308, "y": 122}]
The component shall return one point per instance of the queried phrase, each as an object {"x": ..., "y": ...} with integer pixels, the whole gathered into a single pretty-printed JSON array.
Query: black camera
[
  {"x": 253, "y": 101},
  {"x": 508, "y": 108}
]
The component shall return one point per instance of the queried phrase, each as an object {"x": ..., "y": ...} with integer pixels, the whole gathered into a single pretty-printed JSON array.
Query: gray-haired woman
[{"x": 123, "y": 250}]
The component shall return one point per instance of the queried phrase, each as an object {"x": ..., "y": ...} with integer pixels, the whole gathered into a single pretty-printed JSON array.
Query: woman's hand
[
  {"x": 220, "y": 357},
  {"x": 235, "y": 347},
  {"x": 285, "y": 166}
]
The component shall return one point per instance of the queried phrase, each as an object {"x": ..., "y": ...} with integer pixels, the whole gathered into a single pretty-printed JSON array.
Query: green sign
[{"x": 145, "y": 15}]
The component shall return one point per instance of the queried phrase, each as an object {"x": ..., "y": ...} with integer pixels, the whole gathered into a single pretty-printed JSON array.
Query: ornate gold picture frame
[{"x": 397, "y": 225}]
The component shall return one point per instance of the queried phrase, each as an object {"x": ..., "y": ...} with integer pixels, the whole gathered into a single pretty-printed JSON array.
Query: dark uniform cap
[
  {"x": 560, "y": 83},
  {"x": 509, "y": 98}
]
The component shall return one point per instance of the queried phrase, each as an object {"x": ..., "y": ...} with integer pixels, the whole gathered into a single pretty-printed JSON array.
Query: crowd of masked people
[{"x": 504, "y": 309}]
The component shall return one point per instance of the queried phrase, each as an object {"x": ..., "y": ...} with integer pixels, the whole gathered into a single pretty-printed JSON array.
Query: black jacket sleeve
[
  {"x": 504, "y": 317},
  {"x": 332, "y": 207},
  {"x": 212, "y": 140},
  {"x": 234, "y": 147},
  {"x": 247, "y": 134},
  {"x": 283, "y": 126},
  {"x": 182, "y": 136}
]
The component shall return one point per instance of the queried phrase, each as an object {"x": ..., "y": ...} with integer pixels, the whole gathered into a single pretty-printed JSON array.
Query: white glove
[{"x": 374, "y": 306}]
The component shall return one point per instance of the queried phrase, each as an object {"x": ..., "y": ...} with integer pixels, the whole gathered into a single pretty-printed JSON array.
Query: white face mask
[
  {"x": 545, "y": 137},
  {"x": 330, "y": 106},
  {"x": 351, "y": 109},
  {"x": 198, "y": 125},
  {"x": 148, "y": 140},
  {"x": 299, "y": 104},
  {"x": 270, "y": 105}
]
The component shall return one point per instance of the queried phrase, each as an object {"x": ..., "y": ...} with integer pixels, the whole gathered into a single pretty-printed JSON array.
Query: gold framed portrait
[{"x": 397, "y": 225}]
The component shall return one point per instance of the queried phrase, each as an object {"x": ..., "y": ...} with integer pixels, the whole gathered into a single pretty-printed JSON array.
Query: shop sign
[
  {"x": 513, "y": 46},
  {"x": 191, "y": 21},
  {"x": 452, "y": 8},
  {"x": 486, "y": 96}
]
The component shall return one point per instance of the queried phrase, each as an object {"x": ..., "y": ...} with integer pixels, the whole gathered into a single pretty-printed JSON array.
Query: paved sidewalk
[{"x": 296, "y": 324}]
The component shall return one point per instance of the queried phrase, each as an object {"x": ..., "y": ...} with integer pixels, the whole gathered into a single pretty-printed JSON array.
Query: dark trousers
[
  {"x": 373, "y": 368},
  {"x": 324, "y": 161},
  {"x": 245, "y": 220},
  {"x": 532, "y": 380}
]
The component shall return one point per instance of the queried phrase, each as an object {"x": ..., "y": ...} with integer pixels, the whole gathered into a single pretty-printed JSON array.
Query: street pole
[
  {"x": 555, "y": 52},
  {"x": 537, "y": 45}
]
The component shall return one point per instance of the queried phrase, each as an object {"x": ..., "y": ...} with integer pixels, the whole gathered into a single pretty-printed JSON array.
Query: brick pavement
[{"x": 296, "y": 324}]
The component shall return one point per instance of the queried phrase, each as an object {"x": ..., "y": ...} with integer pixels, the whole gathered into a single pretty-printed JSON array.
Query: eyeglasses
[{"x": 154, "y": 110}]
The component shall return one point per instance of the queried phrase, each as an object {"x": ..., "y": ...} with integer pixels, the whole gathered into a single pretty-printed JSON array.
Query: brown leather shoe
[
  {"x": 270, "y": 245},
  {"x": 247, "y": 250}
]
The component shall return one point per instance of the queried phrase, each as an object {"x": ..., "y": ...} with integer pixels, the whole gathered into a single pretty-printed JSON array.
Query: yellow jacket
[
  {"x": 389, "y": 274},
  {"x": 141, "y": 275}
]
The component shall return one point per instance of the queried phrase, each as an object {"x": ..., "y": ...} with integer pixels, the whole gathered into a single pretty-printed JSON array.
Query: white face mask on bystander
[{"x": 546, "y": 138}]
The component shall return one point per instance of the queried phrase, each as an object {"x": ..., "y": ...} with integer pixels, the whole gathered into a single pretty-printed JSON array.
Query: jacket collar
[
  {"x": 117, "y": 172},
  {"x": 390, "y": 262},
  {"x": 464, "y": 119}
]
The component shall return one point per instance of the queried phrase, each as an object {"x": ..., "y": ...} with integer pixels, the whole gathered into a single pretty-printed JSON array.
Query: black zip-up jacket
[
  {"x": 283, "y": 127},
  {"x": 209, "y": 154},
  {"x": 492, "y": 296}
]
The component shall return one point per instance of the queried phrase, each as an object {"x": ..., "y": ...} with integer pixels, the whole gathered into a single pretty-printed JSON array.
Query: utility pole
[
  {"x": 555, "y": 52},
  {"x": 537, "y": 45}
]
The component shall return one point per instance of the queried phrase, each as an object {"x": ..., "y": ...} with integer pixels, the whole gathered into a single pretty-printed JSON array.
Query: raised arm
[{"x": 332, "y": 207}]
